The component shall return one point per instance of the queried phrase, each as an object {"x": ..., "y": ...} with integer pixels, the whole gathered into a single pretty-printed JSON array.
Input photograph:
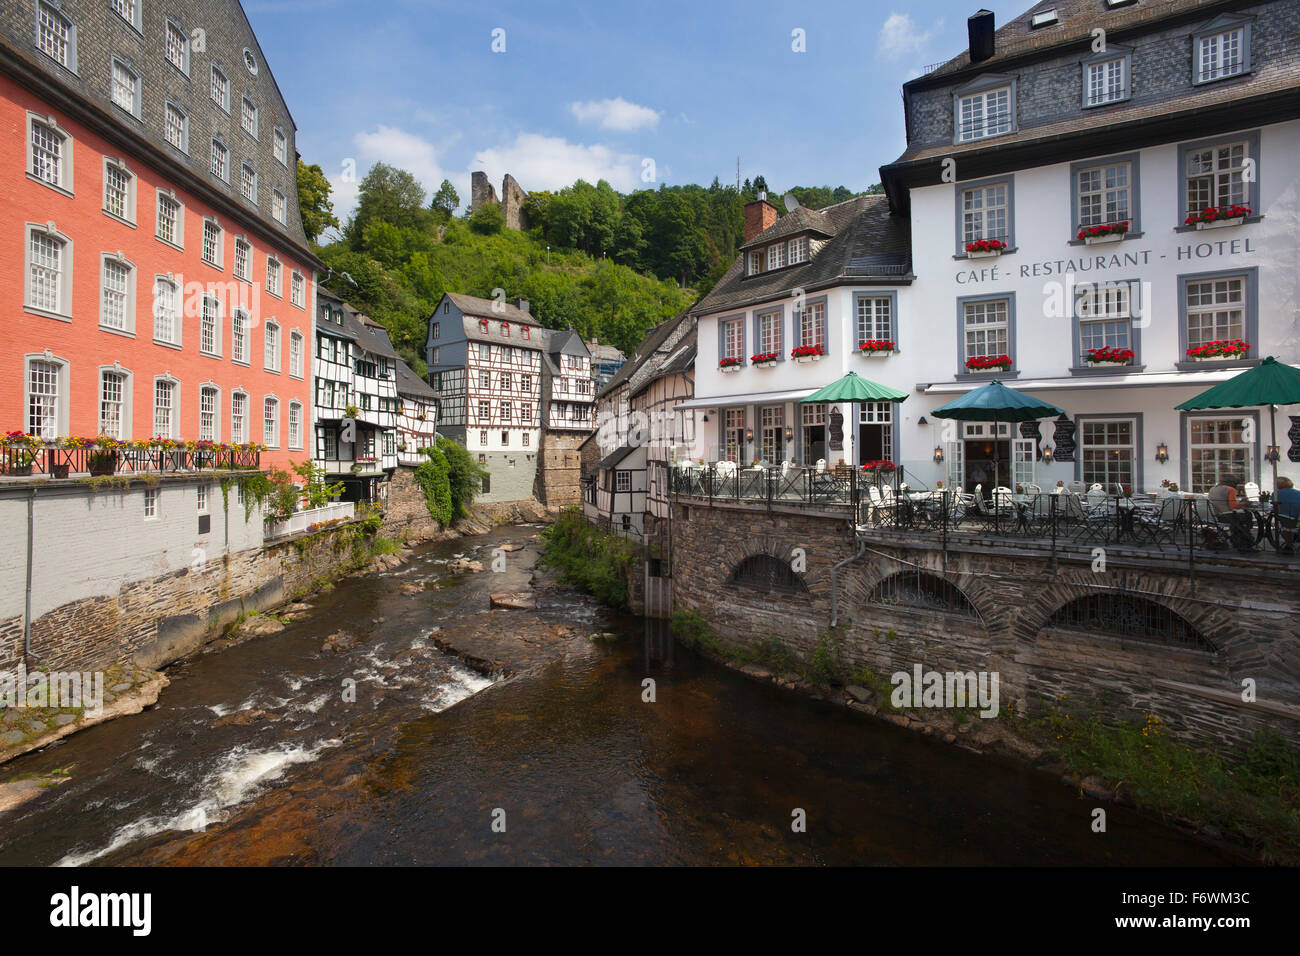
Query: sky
[{"x": 637, "y": 93}]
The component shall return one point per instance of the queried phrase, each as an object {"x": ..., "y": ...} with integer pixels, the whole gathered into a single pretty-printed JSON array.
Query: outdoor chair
[
  {"x": 1252, "y": 492},
  {"x": 1077, "y": 487}
]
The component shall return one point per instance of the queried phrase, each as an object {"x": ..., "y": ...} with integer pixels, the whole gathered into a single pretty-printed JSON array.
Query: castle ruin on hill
[{"x": 511, "y": 201}]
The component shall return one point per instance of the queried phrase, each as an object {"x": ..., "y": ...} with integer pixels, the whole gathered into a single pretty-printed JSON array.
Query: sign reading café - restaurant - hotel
[{"x": 1097, "y": 263}]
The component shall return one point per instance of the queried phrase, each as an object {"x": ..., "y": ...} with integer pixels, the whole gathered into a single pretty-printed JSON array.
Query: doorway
[{"x": 987, "y": 461}]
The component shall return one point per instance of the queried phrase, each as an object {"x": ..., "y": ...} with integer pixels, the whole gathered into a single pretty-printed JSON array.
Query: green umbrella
[
  {"x": 854, "y": 388},
  {"x": 1270, "y": 383},
  {"x": 996, "y": 403}
]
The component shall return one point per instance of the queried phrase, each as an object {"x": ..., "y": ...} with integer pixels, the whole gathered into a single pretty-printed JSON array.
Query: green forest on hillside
[{"x": 607, "y": 264}]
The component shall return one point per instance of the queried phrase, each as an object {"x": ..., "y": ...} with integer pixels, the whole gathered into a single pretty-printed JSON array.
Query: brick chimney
[
  {"x": 979, "y": 30},
  {"x": 759, "y": 214}
]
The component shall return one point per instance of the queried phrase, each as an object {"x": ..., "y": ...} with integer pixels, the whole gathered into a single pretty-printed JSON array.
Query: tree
[
  {"x": 314, "y": 200},
  {"x": 389, "y": 195},
  {"x": 445, "y": 200},
  {"x": 465, "y": 476},
  {"x": 488, "y": 219}
]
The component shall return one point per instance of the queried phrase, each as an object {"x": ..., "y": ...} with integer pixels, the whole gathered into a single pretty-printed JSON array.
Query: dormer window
[
  {"x": 505, "y": 330},
  {"x": 1044, "y": 19},
  {"x": 1221, "y": 50},
  {"x": 798, "y": 250},
  {"x": 755, "y": 262},
  {"x": 483, "y": 326},
  {"x": 776, "y": 256},
  {"x": 523, "y": 331},
  {"x": 984, "y": 108}
]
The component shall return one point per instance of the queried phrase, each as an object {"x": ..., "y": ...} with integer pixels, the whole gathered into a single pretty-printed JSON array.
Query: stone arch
[
  {"x": 866, "y": 578},
  {"x": 921, "y": 589},
  {"x": 767, "y": 573},
  {"x": 1130, "y": 617}
]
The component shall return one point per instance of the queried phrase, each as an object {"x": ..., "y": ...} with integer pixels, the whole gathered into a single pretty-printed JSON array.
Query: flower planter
[
  {"x": 807, "y": 358},
  {"x": 100, "y": 467},
  {"x": 1092, "y": 364},
  {"x": 59, "y": 471},
  {"x": 771, "y": 364},
  {"x": 1218, "y": 358},
  {"x": 984, "y": 253},
  {"x": 1221, "y": 223},
  {"x": 20, "y": 471},
  {"x": 1097, "y": 240},
  {"x": 730, "y": 368},
  {"x": 876, "y": 353}
]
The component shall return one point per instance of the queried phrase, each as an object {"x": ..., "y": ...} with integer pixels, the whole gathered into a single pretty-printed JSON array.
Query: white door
[{"x": 954, "y": 453}]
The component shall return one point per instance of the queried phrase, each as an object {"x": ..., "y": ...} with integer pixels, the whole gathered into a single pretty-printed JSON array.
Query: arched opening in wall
[
  {"x": 1131, "y": 618},
  {"x": 920, "y": 589},
  {"x": 762, "y": 572}
]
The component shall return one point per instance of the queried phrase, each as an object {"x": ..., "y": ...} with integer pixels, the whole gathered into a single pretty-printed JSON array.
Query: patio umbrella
[
  {"x": 854, "y": 388},
  {"x": 996, "y": 403},
  {"x": 1270, "y": 383}
]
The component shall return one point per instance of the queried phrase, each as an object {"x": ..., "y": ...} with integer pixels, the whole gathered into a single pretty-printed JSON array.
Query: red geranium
[
  {"x": 803, "y": 351},
  {"x": 1111, "y": 355},
  {"x": 982, "y": 363},
  {"x": 1220, "y": 349},
  {"x": 1110, "y": 228},
  {"x": 985, "y": 245},
  {"x": 764, "y": 357},
  {"x": 729, "y": 362},
  {"x": 1215, "y": 213},
  {"x": 876, "y": 345}
]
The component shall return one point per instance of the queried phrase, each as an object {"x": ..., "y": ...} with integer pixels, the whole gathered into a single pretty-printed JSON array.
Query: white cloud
[
  {"x": 552, "y": 162},
  {"x": 901, "y": 37},
  {"x": 396, "y": 147},
  {"x": 616, "y": 114}
]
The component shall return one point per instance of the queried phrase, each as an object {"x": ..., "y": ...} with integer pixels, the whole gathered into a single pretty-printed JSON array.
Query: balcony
[{"x": 24, "y": 461}]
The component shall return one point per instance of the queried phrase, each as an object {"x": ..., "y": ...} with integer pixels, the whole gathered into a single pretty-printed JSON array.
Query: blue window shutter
[
  {"x": 781, "y": 348},
  {"x": 826, "y": 339},
  {"x": 722, "y": 340},
  {"x": 758, "y": 335}
]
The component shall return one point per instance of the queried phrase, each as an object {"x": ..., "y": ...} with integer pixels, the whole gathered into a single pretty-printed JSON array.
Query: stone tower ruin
[{"x": 511, "y": 201}]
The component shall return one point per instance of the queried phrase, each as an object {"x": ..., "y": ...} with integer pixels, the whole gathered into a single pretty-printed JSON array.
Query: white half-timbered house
[{"x": 417, "y": 415}]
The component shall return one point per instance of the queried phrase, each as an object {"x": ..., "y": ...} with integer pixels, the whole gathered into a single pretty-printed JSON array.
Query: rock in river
[{"x": 515, "y": 600}]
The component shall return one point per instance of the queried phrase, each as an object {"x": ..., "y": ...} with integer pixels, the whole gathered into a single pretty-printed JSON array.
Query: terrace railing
[{"x": 60, "y": 462}]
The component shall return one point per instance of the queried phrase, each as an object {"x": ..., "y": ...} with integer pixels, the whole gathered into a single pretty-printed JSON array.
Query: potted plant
[
  {"x": 988, "y": 363},
  {"x": 102, "y": 459},
  {"x": 984, "y": 248},
  {"x": 1020, "y": 489},
  {"x": 807, "y": 353},
  {"x": 60, "y": 469},
  {"x": 21, "y": 452},
  {"x": 764, "y": 359},
  {"x": 351, "y": 411},
  {"x": 876, "y": 348},
  {"x": 1109, "y": 232},
  {"x": 730, "y": 364},
  {"x": 1216, "y": 217},
  {"x": 1110, "y": 356},
  {"x": 1219, "y": 349}
]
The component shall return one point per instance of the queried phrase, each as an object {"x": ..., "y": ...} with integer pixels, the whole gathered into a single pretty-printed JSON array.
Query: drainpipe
[
  {"x": 27, "y": 599},
  {"x": 835, "y": 582}
]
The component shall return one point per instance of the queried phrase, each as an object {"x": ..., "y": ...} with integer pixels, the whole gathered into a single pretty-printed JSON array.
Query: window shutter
[
  {"x": 826, "y": 340},
  {"x": 722, "y": 340},
  {"x": 758, "y": 335},
  {"x": 780, "y": 335}
]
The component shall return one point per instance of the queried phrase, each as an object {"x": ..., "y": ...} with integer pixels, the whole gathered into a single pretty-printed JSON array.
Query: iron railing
[{"x": 17, "y": 462}]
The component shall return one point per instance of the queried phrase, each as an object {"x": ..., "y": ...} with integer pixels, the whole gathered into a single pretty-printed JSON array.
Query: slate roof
[
  {"x": 491, "y": 309},
  {"x": 645, "y": 350},
  {"x": 408, "y": 383},
  {"x": 681, "y": 359},
  {"x": 800, "y": 220},
  {"x": 359, "y": 327},
  {"x": 614, "y": 457},
  {"x": 867, "y": 242}
]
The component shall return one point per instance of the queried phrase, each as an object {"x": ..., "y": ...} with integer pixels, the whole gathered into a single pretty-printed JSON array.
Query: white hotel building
[{"x": 1028, "y": 138}]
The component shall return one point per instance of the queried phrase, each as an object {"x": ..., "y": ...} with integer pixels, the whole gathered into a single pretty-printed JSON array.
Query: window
[
  {"x": 482, "y": 437},
  {"x": 151, "y": 504},
  {"x": 505, "y": 381},
  {"x": 166, "y": 311},
  {"x": 755, "y": 261},
  {"x": 776, "y": 255},
  {"x": 238, "y": 418},
  {"x": 798, "y": 250},
  {"x": 436, "y": 357},
  {"x": 769, "y": 333},
  {"x": 44, "y": 380},
  {"x": 1216, "y": 175},
  {"x": 771, "y": 420},
  {"x": 526, "y": 437},
  {"x": 112, "y": 407},
  {"x": 272, "y": 347},
  {"x": 126, "y": 88},
  {"x": 210, "y": 326},
  {"x": 329, "y": 444},
  {"x": 505, "y": 329},
  {"x": 812, "y": 326},
  {"x": 524, "y": 332},
  {"x": 220, "y": 161},
  {"x": 128, "y": 10},
  {"x": 248, "y": 182},
  {"x": 280, "y": 147},
  {"x": 1104, "y": 311},
  {"x": 984, "y": 114},
  {"x": 762, "y": 572},
  {"x": 1105, "y": 194},
  {"x": 277, "y": 206},
  {"x": 119, "y": 191},
  {"x": 176, "y": 125},
  {"x": 435, "y": 330},
  {"x": 295, "y": 426},
  {"x": 202, "y": 499},
  {"x": 274, "y": 283},
  {"x": 56, "y": 36},
  {"x": 220, "y": 89},
  {"x": 271, "y": 423},
  {"x": 483, "y": 379},
  {"x": 212, "y": 243},
  {"x": 1216, "y": 450},
  {"x": 525, "y": 383},
  {"x": 876, "y": 431},
  {"x": 985, "y": 211},
  {"x": 164, "y": 408},
  {"x": 505, "y": 438},
  {"x": 1105, "y": 82},
  {"x": 733, "y": 433},
  {"x": 1108, "y": 453},
  {"x": 250, "y": 61},
  {"x": 1218, "y": 309},
  {"x": 115, "y": 298},
  {"x": 484, "y": 410},
  {"x": 49, "y": 153},
  {"x": 208, "y": 399},
  {"x": 295, "y": 353},
  {"x": 48, "y": 271},
  {"x": 390, "y": 444},
  {"x": 243, "y": 260},
  {"x": 622, "y": 480},
  {"x": 985, "y": 328},
  {"x": 875, "y": 318},
  {"x": 297, "y": 289},
  {"x": 1222, "y": 53},
  {"x": 248, "y": 117},
  {"x": 170, "y": 222},
  {"x": 733, "y": 338},
  {"x": 178, "y": 48},
  {"x": 506, "y": 411}
]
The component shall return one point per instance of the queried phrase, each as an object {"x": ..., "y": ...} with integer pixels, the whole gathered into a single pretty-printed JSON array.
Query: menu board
[
  {"x": 1293, "y": 453},
  {"x": 837, "y": 429},
  {"x": 1064, "y": 440}
]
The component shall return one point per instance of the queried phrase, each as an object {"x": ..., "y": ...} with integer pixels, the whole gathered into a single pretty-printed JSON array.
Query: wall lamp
[
  {"x": 789, "y": 433},
  {"x": 749, "y": 434},
  {"x": 938, "y": 454},
  {"x": 1047, "y": 455},
  {"x": 1273, "y": 455},
  {"x": 1162, "y": 453}
]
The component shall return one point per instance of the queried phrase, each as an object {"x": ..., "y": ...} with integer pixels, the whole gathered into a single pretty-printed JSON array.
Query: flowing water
[{"x": 433, "y": 759}]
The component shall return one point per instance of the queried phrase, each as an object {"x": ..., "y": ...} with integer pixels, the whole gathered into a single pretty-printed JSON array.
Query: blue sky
[{"x": 596, "y": 89}]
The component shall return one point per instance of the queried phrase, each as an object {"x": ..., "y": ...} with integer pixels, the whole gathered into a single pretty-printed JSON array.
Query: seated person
[
  {"x": 1286, "y": 505},
  {"x": 1229, "y": 507}
]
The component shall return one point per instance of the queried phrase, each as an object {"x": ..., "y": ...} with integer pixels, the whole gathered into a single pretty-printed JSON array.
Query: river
[{"x": 433, "y": 763}]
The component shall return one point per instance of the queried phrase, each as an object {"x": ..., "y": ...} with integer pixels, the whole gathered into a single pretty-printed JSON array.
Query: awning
[
  {"x": 1084, "y": 382},
  {"x": 752, "y": 398}
]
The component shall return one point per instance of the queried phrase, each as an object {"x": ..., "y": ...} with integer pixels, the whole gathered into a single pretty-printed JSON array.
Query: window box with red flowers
[
  {"x": 1109, "y": 232},
  {"x": 876, "y": 348},
  {"x": 730, "y": 364},
  {"x": 985, "y": 248},
  {"x": 1219, "y": 350},
  {"x": 1110, "y": 356},
  {"x": 807, "y": 353},
  {"x": 988, "y": 363},
  {"x": 1217, "y": 217},
  {"x": 765, "y": 359},
  {"x": 878, "y": 468}
]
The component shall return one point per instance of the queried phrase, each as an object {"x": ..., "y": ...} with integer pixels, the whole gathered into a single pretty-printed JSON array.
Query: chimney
[
  {"x": 759, "y": 214},
  {"x": 521, "y": 305},
  {"x": 979, "y": 28}
]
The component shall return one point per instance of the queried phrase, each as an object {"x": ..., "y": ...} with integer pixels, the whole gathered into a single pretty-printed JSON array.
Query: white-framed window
[
  {"x": 771, "y": 422},
  {"x": 239, "y": 337},
  {"x": 507, "y": 412},
  {"x": 113, "y": 393},
  {"x": 177, "y": 45},
  {"x": 776, "y": 255},
  {"x": 165, "y": 406},
  {"x": 166, "y": 311},
  {"x": 248, "y": 116},
  {"x": 271, "y": 422},
  {"x": 484, "y": 410},
  {"x": 210, "y": 326},
  {"x": 56, "y": 36},
  {"x": 622, "y": 480},
  {"x": 117, "y": 294},
  {"x": 295, "y": 353},
  {"x": 1106, "y": 82},
  {"x": 390, "y": 444},
  {"x": 988, "y": 328},
  {"x": 243, "y": 259},
  {"x": 119, "y": 191},
  {"x": 1216, "y": 310},
  {"x": 297, "y": 290},
  {"x": 248, "y": 182},
  {"x": 812, "y": 325},
  {"x": 769, "y": 332},
  {"x": 170, "y": 223},
  {"x": 295, "y": 426},
  {"x": 219, "y": 88},
  {"x": 280, "y": 147},
  {"x": 151, "y": 504},
  {"x": 1108, "y": 452},
  {"x": 176, "y": 127},
  {"x": 271, "y": 351},
  {"x": 274, "y": 280},
  {"x": 733, "y": 433},
  {"x": 1216, "y": 176},
  {"x": 1105, "y": 314},
  {"x": 733, "y": 338},
  {"x": 1217, "y": 450},
  {"x": 482, "y": 437},
  {"x": 49, "y": 153},
  {"x": 985, "y": 213},
  {"x": 526, "y": 383},
  {"x": 49, "y": 271},
  {"x": 213, "y": 237},
  {"x": 202, "y": 499},
  {"x": 209, "y": 403},
  {"x": 46, "y": 398},
  {"x": 126, "y": 88},
  {"x": 798, "y": 249},
  {"x": 278, "y": 206},
  {"x": 1105, "y": 194},
  {"x": 505, "y": 438},
  {"x": 984, "y": 114},
  {"x": 220, "y": 161},
  {"x": 238, "y": 417},
  {"x": 128, "y": 10},
  {"x": 875, "y": 318},
  {"x": 1222, "y": 54}
]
